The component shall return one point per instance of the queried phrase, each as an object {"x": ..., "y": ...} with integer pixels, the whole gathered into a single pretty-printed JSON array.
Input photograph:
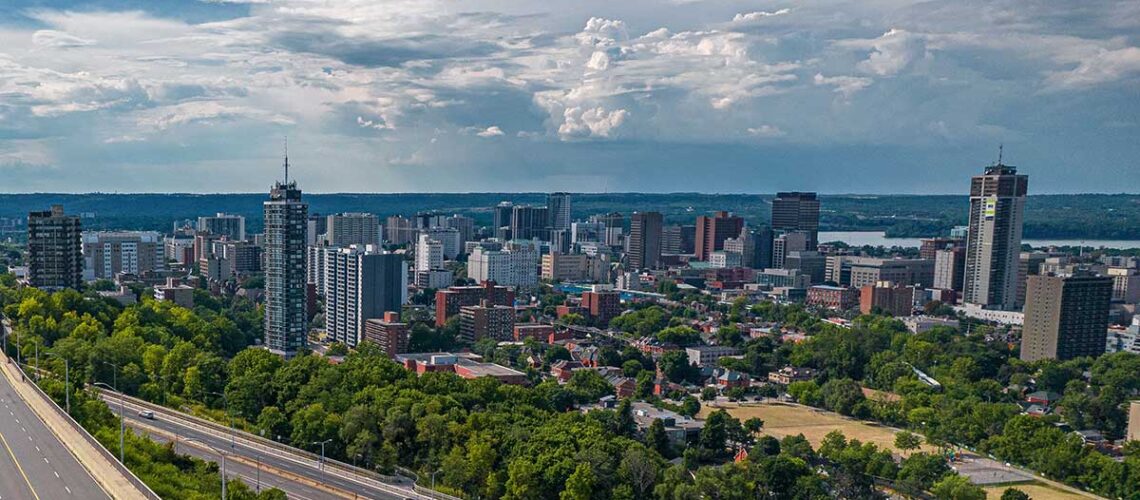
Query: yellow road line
[{"x": 21, "y": 469}]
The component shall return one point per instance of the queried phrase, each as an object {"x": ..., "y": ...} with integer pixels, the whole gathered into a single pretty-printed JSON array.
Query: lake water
[{"x": 878, "y": 238}]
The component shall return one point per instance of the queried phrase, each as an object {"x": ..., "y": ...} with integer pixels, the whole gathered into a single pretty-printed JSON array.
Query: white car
[{"x": 147, "y": 414}]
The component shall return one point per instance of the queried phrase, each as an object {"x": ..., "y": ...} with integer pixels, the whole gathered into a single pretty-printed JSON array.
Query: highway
[
  {"x": 295, "y": 473},
  {"x": 34, "y": 463}
]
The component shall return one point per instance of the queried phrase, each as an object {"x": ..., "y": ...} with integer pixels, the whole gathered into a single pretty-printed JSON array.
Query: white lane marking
[
  {"x": 46, "y": 460},
  {"x": 68, "y": 490},
  {"x": 23, "y": 429},
  {"x": 56, "y": 474},
  {"x": 38, "y": 449}
]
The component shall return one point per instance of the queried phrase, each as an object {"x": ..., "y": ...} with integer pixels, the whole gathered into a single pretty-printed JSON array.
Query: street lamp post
[
  {"x": 433, "y": 481},
  {"x": 220, "y": 453},
  {"x": 322, "y": 443},
  {"x": 122, "y": 425},
  {"x": 230, "y": 416}
]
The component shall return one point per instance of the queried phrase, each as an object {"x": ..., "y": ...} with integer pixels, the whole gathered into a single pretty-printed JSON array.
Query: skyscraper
[
  {"x": 558, "y": 209},
  {"x": 502, "y": 215},
  {"x": 1065, "y": 316},
  {"x": 108, "y": 253},
  {"x": 645, "y": 240},
  {"x": 55, "y": 254},
  {"x": 712, "y": 231},
  {"x": 993, "y": 244},
  {"x": 797, "y": 212},
  {"x": 286, "y": 228},
  {"x": 361, "y": 284},
  {"x": 529, "y": 223}
]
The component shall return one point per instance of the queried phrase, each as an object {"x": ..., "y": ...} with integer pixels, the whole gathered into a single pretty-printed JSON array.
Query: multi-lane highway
[
  {"x": 296, "y": 473},
  {"x": 34, "y": 463}
]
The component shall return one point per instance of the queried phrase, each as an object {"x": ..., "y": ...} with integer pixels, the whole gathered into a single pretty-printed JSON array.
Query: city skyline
[{"x": 132, "y": 96}]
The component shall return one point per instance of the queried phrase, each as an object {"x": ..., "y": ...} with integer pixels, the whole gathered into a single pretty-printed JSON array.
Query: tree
[
  {"x": 640, "y": 467},
  {"x": 708, "y": 394},
  {"x": 337, "y": 349},
  {"x": 631, "y": 368},
  {"x": 675, "y": 365},
  {"x": 690, "y": 406},
  {"x": 906, "y": 441},
  {"x": 1014, "y": 494},
  {"x": 955, "y": 487},
  {"x": 656, "y": 438},
  {"x": 841, "y": 395},
  {"x": 580, "y": 485},
  {"x": 714, "y": 436},
  {"x": 754, "y": 424}
]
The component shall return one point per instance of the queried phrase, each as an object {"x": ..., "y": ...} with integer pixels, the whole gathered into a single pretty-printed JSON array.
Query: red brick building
[
  {"x": 602, "y": 306},
  {"x": 388, "y": 333},
  {"x": 450, "y": 300},
  {"x": 833, "y": 297},
  {"x": 536, "y": 331},
  {"x": 893, "y": 299}
]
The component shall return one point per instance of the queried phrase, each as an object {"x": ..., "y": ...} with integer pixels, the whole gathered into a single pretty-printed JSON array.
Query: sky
[{"x": 718, "y": 96}]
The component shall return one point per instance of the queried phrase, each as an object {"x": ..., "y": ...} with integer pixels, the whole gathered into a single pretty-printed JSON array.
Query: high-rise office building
[
  {"x": 671, "y": 240},
  {"x": 1065, "y": 316},
  {"x": 55, "y": 254},
  {"x": 318, "y": 225},
  {"x": 451, "y": 239},
  {"x": 645, "y": 229},
  {"x": 361, "y": 284},
  {"x": 286, "y": 228},
  {"x": 221, "y": 224},
  {"x": 528, "y": 223},
  {"x": 797, "y": 212},
  {"x": 782, "y": 245},
  {"x": 712, "y": 231},
  {"x": 108, "y": 253},
  {"x": 615, "y": 228},
  {"x": 558, "y": 209},
  {"x": 501, "y": 215},
  {"x": 465, "y": 225},
  {"x": 347, "y": 229},
  {"x": 583, "y": 232},
  {"x": 993, "y": 243},
  {"x": 930, "y": 246}
]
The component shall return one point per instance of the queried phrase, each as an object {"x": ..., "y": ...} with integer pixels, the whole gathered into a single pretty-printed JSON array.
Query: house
[
  {"x": 624, "y": 387},
  {"x": 705, "y": 355},
  {"x": 789, "y": 374},
  {"x": 563, "y": 369},
  {"x": 731, "y": 379},
  {"x": 1047, "y": 398}
]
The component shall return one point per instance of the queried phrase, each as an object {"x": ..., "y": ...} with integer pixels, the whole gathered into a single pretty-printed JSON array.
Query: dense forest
[{"x": 1089, "y": 216}]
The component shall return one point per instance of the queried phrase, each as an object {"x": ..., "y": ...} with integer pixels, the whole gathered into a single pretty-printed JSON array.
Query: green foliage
[
  {"x": 1014, "y": 494},
  {"x": 956, "y": 487}
]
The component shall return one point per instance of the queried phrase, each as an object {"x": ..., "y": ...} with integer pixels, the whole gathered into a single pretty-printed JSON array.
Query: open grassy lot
[
  {"x": 1036, "y": 491},
  {"x": 781, "y": 419}
]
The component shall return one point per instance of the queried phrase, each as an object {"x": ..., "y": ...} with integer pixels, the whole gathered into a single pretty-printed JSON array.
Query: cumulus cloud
[
  {"x": 890, "y": 53},
  {"x": 492, "y": 131},
  {"x": 1104, "y": 67},
  {"x": 59, "y": 39},
  {"x": 592, "y": 122},
  {"x": 846, "y": 86},
  {"x": 766, "y": 131}
]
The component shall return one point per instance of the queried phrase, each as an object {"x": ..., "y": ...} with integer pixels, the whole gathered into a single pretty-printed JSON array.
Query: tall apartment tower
[
  {"x": 55, "y": 251},
  {"x": 1065, "y": 316},
  {"x": 712, "y": 231},
  {"x": 993, "y": 245},
  {"x": 398, "y": 230},
  {"x": 795, "y": 211},
  {"x": 361, "y": 284},
  {"x": 558, "y": 209},
  {"x": 222, "y": 224},
  {"x": 286, "y": 230},
  {"x": 347, "y": 229},
  {"x": 645, "y": 230},
  {"x": 108, "y": 253}
]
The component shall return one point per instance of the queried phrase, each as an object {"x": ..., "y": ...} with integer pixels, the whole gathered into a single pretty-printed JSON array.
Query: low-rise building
[
  {"x": 790, "y": 374},
  {"x": 486, "y": 321},
  {"x": 833, "y": 297},
  {"x": 887, "y": 297},
  {"x": 176, "y": 292},
  {"x": 389, "y": 333},
  {"x": 709, "y": 355},
  {"x": 465, "y": 365},
  {"x": 536, "y": 331}
]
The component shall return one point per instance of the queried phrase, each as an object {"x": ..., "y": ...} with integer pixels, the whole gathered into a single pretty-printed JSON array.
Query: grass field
[
  {"x": 1036, "y": 491},
  {"x": 788, "y": 420}
]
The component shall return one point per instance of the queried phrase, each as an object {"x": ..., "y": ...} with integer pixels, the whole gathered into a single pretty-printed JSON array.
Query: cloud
[
  {"x": 492, "y": 131},
  {"x": 592, "y": 122},
  {"x": 767, "y": 131},
  {"x": 758, "y": 15},
  {"x": 1105, "y": 67},
  {"x": 59, "y": 39},
  {"x": 890, "y": 53},
  {"x": 846, "y": 86}
]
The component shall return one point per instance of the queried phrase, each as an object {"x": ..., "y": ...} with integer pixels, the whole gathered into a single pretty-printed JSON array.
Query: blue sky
[{"x": 585, "y": 95}]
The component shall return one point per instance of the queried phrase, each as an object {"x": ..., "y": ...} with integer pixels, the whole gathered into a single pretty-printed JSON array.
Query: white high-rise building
[
  {"x": 361, "y": 284},
  {"x": 107, "y": 253},
  {"x": 516, "y": 267},
  {"x": 429, "y": 253},
  {"x": 450, "y": 237}
]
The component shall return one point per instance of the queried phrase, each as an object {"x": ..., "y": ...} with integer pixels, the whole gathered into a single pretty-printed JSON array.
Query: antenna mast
[
  {"x": 1000, "y": 148},
  {"x": 286, "y": 160}
]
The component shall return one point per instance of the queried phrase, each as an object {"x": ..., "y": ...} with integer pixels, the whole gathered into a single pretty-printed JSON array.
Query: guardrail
[
  {"x": 138, "y": 483},
  {"x": 253, "y": 441}
]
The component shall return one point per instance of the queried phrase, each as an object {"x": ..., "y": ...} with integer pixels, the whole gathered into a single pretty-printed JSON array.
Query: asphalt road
[
  {"x": 292, "y": 474},
  {"x": 34, "y": 464}
]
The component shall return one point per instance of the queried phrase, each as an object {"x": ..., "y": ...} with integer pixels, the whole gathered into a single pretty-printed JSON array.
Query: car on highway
[{"x": 147, "y": 414}]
